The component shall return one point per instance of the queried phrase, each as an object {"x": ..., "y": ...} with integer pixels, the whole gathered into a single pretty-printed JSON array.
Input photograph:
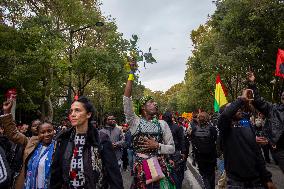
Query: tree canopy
[
  {"x": 50, "y": 50},
  {"x": 53, "y": 49},
  {"x": 240, "y": 36}
]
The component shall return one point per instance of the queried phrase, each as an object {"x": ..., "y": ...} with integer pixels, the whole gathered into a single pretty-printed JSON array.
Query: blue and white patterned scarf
[{"x": 32, "y": 172}]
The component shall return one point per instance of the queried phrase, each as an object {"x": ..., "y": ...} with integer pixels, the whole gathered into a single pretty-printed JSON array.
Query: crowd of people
[{"x": 153, "y": 148}]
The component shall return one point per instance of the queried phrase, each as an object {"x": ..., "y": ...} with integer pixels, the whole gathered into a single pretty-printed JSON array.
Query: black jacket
[
  {"x": 274, "y": 114},
  {"x": 178, "y": 137},
  {"x": 5, "y": 171},
  {"x": 242, "y": 155},
  {"x": 210, "y": 144},
  {"x": 62, "y": 158}
]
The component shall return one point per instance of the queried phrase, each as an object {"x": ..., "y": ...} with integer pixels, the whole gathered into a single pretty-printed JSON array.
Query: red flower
[
  {"x": 73, "y": 174},
  {"x": 75, "y": 151}
]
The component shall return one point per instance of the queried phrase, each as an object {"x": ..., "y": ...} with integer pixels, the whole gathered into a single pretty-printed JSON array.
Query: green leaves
[
  {"x": 133, "y": 42},
  {"x": 241, "y": 35},
  {"x": 38, "y": 51}
]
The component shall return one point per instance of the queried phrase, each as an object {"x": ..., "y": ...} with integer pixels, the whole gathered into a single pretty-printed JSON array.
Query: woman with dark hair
[
  {"x": 38, "y": 151},
  {"x": 80, "y": 159},
  {"x": 34, "y": 127}
]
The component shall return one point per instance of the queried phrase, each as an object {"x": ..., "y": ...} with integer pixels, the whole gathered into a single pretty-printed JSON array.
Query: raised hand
[
  {"x": 244, "y": 96},
  {"x": 270, "y": 185},
  {"x": 131, "y": 69},
  {"x": 261, "y": 140},
  {"x": 250, "y": 77},
  {"x": 133, "y": 66},
  {"x": 7, "y": 106}
]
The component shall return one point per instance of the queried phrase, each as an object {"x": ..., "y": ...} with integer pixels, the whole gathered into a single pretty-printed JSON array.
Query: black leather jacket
[
  {"x": 62, "y": 158},
  {"x": 5, "y": 176}
]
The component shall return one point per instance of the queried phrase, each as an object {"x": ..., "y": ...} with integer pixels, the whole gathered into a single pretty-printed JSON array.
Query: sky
[{"x": 165, "y": 26}]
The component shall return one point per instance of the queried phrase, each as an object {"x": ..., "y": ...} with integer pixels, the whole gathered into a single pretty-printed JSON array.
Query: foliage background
[
  {"x": 43, "y": 43},
  {"x": 241, "y": 36}
]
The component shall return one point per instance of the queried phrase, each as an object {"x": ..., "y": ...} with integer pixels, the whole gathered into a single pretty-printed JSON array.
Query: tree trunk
[
  {"x": 49, "y": 109},
  {"x": 47, "y": 104}
]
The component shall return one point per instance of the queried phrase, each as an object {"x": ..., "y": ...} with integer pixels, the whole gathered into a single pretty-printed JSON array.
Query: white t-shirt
[{"x": 41, "y": 169}]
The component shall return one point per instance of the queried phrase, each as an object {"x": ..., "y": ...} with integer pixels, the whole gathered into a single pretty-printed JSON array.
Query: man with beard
[
  {"x": 204, "y": 137},
  {"x": 115, "y": 135}
]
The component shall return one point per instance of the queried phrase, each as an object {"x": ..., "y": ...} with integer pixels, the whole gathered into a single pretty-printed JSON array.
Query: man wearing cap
[{"x": 151, "y": 137}]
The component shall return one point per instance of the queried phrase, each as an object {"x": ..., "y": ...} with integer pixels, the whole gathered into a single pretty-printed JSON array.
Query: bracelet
[
  {"x": 159, "y": 147},
  {"x": 131, "y": 77},
  {"x": 132, "y": 72}
]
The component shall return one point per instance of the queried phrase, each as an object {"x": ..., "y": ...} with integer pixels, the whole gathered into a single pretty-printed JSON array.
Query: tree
[
  {"x": 45, "y": 43},
  {"x": 240, "y": 36}
]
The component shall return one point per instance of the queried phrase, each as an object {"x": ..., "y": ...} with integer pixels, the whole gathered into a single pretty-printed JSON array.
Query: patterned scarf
[
  {"x": 32, "y": 172},
  {"x": 97, "y": 165}
]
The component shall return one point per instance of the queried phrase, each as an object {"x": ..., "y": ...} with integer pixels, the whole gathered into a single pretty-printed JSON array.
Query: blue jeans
[
  {"x": 220, "y": 165},
  {"x": 130, "y": 155}
]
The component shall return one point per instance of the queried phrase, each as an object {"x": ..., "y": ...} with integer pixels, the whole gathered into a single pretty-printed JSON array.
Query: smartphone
[
  {"x": 11, "y": 95},
  {"x": 250, "y": 94}
]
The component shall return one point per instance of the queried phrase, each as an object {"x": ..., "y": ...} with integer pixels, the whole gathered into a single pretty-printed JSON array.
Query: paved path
[
  {"x": 192, "y": 179},
  {"x": 189, "y": 181},
  {"x": 277, "y": 175}
]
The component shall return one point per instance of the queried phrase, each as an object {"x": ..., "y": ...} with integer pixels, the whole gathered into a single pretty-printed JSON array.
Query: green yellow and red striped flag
[{"x": 220, "y": 94}]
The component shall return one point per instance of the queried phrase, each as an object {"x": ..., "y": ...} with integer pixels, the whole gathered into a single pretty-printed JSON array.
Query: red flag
[{"x": 280, "y": 64}]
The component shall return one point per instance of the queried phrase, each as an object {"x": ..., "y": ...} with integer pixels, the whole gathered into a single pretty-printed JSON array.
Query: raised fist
[
  {"x": 133, "y": 66},
  {"x": 7, "y": 106},
  {"x": 250, "y": 77}
]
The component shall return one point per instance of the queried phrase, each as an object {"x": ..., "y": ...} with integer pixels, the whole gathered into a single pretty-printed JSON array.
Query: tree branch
[{"x": 87, "y": 82}]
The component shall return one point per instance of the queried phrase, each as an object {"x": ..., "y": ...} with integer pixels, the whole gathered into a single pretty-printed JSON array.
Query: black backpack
[{"x": 202, "y": 140}]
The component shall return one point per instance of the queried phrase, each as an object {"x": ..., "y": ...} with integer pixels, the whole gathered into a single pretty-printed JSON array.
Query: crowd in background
[{"x": 237, "y": 142}]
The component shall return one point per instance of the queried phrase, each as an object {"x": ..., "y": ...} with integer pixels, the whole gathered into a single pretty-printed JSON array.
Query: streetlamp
[{"x": 71, "y": 34}]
